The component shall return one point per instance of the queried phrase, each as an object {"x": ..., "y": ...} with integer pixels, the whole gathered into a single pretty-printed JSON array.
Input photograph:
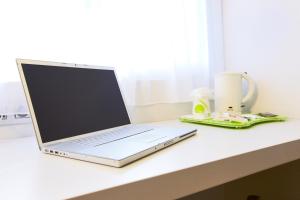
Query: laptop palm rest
[{"x": 127, "y": 147}]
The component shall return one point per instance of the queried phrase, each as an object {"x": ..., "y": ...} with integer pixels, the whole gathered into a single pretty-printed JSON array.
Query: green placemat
[{"x": 231, "y": 124}]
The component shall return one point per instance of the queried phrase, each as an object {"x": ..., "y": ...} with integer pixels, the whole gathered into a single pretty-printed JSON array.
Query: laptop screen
[{"x": 71, "y": 101}]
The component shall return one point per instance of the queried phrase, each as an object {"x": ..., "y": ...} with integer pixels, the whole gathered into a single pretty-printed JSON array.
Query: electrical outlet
[
  {"x": 253, "y": 197},
  {"x": 20, "y": 118}
]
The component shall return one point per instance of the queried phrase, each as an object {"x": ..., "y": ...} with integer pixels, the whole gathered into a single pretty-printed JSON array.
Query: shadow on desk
[{"x": 278, "y": 183}]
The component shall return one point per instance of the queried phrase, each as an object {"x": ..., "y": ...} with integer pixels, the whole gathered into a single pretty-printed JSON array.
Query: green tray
[{"x": 231, "y": 124}]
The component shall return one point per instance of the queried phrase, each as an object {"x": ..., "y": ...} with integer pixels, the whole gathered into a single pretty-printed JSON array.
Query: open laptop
[{"x": 78, "y": 112}]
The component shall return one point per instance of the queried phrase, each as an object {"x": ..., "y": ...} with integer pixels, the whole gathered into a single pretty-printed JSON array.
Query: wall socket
[
  {"x": 253, "y": 197},
  {"x": 10, "y": 119}
]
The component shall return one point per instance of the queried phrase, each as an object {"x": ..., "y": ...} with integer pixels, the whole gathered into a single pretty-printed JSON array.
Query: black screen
[{"x": 72, "y": 101}]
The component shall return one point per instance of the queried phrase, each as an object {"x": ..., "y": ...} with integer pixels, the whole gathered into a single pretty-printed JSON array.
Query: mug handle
[{"x": 251, "y": 88}]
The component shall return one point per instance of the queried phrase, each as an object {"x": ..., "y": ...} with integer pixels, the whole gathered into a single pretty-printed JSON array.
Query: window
[{"x": 160, "y": 47}]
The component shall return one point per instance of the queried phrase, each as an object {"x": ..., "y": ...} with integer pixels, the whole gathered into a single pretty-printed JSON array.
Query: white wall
[{"x": 262, "y": 37}]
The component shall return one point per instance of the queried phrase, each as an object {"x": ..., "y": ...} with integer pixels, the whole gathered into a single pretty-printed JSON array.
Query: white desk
[{"x": 213, "y": 157}]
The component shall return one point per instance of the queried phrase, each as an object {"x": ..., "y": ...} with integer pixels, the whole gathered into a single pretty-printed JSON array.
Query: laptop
[{"x": 78, "y": 112}]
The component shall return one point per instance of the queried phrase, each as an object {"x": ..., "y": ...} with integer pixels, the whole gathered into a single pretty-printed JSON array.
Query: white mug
[{"x": 229, "y": 91}]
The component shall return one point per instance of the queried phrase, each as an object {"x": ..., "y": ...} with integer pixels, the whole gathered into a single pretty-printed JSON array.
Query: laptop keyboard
[{"x": 111, "y": 136}]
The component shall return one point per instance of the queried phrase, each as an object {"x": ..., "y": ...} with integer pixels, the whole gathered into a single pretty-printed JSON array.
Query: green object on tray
[{"x": 231, "y": 124}]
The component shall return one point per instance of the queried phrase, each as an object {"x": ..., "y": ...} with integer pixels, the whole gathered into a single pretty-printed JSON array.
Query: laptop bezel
[{"x": 42, "y": 144}]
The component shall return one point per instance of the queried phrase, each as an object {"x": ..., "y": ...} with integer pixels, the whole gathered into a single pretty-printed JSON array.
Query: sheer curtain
[{"x": 159, "y": 47}]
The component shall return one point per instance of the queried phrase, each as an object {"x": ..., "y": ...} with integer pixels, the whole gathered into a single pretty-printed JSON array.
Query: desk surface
[{"x": 213, "y": 157}]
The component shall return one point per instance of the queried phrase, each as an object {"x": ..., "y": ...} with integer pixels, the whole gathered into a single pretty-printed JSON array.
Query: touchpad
[{"x": 148, "y": 137}]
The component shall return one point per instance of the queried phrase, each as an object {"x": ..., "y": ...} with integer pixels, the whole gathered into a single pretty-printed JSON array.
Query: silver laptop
[{"x": 78, "y": 112}]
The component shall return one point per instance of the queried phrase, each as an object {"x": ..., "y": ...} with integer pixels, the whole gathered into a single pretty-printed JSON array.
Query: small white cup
[{"x": 201, "y": 103}]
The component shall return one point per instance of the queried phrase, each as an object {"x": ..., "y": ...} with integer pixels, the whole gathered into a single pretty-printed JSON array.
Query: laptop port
[
  {"x": 56, "y": 152},
  {"x": 51, "y": 151},
  {"x": 168, "y": 143}
]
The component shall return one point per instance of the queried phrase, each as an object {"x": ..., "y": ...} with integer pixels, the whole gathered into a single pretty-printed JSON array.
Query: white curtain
[{"x": 159, "y": 47}]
